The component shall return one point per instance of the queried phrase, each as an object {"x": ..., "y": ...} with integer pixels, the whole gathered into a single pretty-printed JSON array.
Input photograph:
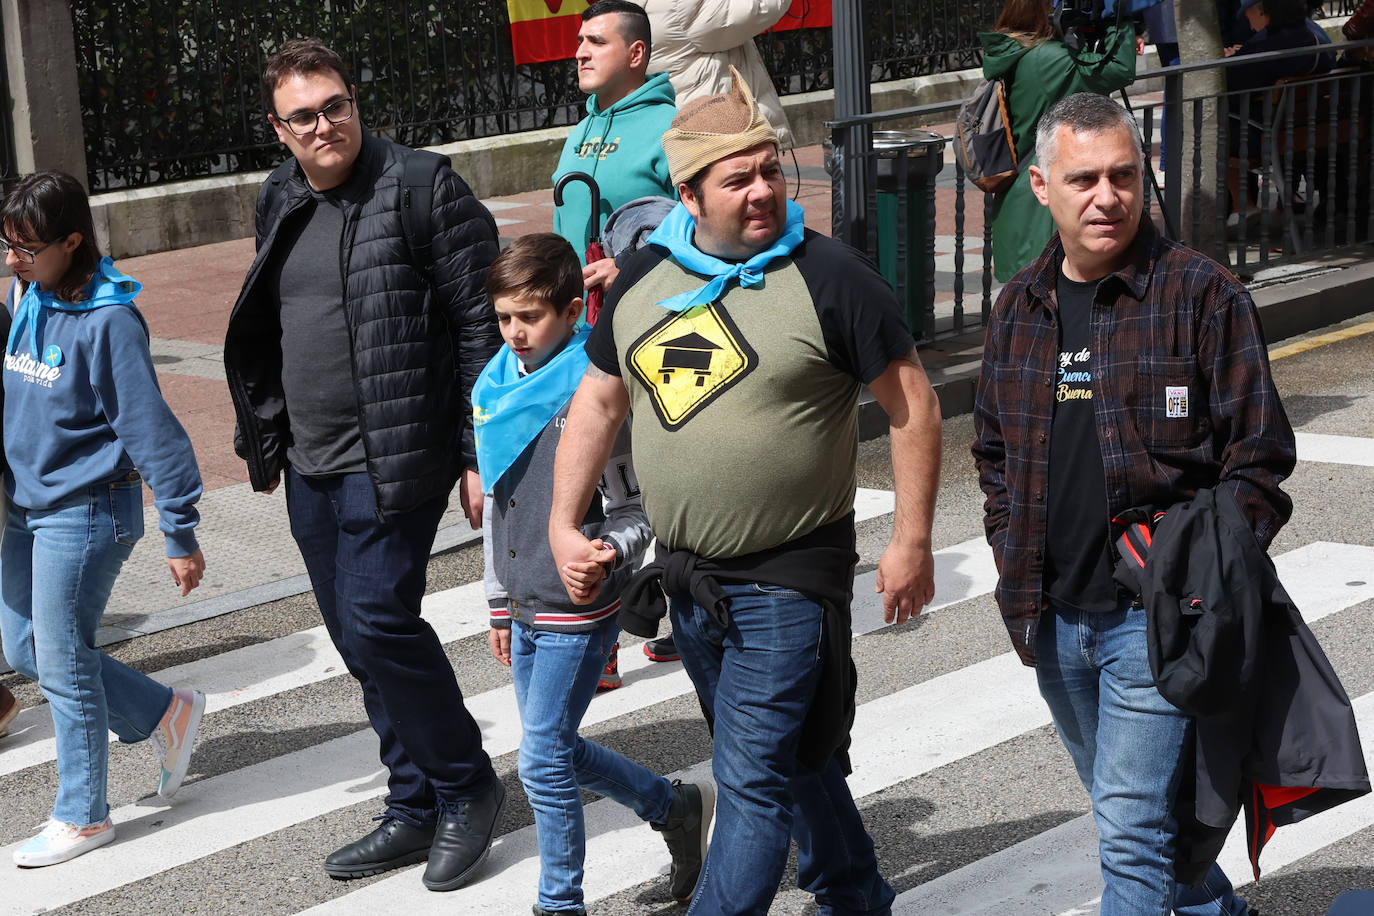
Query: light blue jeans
[
  {"x": 555, "y": 678},
  {"x": 1127, "y": 743},
  {"x": 758, "y": 677},
  {"x": 57, "y": 567}
]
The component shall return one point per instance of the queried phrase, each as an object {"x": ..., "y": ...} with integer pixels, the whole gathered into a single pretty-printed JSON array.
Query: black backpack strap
[{"x": 417, "y": 205}]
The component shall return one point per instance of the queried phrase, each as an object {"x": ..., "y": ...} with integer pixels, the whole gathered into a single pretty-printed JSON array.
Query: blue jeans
[
  {"x": 57, "y": 567},
  {"x": 757, "y": 677},
  {"x": 555, "y": 678},
  {"x": 1128, "y": 744},
  {"x": 369, "y": 576}
]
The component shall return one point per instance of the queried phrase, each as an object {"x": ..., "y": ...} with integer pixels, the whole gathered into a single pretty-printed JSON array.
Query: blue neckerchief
[
  {"x": 675, "y": 233},
  {"x": 107, "y": 287},
  {"x": 509, "y": 410}
]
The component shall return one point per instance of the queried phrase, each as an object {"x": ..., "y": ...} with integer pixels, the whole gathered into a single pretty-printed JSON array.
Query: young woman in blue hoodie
[{"x": 84, "y": 424}]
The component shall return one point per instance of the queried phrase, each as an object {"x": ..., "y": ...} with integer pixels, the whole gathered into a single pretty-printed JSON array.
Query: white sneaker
[
  {"x": 175, "y": 735},
  {"x": 61, "y": 841}
]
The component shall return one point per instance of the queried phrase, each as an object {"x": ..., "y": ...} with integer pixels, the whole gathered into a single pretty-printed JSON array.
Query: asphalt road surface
[{"x": 969, "y": 795}]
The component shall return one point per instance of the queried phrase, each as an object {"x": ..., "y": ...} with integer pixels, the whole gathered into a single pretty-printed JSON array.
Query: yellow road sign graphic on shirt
[{"x": 689, "y": 359}]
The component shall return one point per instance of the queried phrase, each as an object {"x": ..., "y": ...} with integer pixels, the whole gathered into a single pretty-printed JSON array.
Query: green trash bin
[{"x": 908, "y": 161}]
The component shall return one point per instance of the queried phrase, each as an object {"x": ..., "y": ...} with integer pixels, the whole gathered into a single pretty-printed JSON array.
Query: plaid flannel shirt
[{"x": 1182, "y": 396}]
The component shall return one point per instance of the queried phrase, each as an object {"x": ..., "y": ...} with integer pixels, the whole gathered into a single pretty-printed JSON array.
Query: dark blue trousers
[{"x": 369, "y": 577}]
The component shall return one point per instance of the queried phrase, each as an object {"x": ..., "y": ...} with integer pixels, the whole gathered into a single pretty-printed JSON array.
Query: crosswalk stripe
[
  {"x": 1326, "y": 449},
  {"x": 1058, "y": 871},
  {"x": 254, "y": 672},
  {"x": 299, "y": 659}
]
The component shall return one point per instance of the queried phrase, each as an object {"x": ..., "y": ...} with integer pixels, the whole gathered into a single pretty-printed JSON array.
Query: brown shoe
[{"x": 9, "y": 708}]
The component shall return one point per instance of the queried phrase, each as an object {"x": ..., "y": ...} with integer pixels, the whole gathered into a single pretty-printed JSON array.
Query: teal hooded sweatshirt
[{"x": 622, "y": 149}]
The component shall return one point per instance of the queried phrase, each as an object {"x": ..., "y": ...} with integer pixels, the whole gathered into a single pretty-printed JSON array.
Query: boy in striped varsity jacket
[{"x": 556, "y": 650}]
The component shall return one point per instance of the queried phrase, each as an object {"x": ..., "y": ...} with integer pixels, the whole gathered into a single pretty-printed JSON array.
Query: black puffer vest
[{"x": 417, "y": 347}]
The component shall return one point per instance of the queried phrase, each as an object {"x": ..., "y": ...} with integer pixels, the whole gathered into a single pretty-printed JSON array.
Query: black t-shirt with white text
[{"x": 1078, "y": 566}]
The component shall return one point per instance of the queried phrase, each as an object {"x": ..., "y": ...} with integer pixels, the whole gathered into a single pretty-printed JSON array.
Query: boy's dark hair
[
  {"x": 634, "y": 22},
  {"x": 541, "y": 265},
  {"x": 300, "y": 56},
  {"x": 46, "y": 207}
]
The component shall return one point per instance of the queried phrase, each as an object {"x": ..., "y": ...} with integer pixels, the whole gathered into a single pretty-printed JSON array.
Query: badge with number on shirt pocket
[{"x": 1176, "y": 401}]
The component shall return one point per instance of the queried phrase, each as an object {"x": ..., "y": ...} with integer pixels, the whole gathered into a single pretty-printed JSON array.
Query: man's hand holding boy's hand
[{"x": 581, "y": 563}]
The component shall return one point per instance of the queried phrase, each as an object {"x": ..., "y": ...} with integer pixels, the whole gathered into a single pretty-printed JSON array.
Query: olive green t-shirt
[{"x": 745, "y": 410}]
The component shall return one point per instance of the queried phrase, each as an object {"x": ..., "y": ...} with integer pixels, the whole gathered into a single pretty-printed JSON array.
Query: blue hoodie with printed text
[
  {"x": 622, "y": 149},
  {"x": 83, "y": 406}
]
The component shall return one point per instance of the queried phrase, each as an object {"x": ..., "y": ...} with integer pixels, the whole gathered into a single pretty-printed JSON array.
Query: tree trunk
[{"x": 1199, "y": 39}]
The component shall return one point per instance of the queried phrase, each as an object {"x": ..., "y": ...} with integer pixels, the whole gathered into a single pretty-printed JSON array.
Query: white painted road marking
[
  {"x": 1335, "y": 449},
  {"x": 1058, "y": 871}
]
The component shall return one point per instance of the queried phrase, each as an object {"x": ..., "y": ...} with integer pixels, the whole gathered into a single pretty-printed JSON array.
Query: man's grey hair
[{"x": 1082, "y": 112}]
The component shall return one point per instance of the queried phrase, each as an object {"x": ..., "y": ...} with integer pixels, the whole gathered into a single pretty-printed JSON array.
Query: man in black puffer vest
[{"x": 350, "y": 362}]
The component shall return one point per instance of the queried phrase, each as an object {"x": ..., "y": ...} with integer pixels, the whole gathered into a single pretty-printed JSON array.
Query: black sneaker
[
  {"x": 393, "y": 844},
  {"x": 662, "y": 649},
  {"x": 540, "y": 911},
  {"x": 462, "y": 839},
  {"x": 685, "y": 832}
]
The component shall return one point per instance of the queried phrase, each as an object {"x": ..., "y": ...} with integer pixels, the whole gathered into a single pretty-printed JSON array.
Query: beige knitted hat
[{"x": 711, "y": 128}]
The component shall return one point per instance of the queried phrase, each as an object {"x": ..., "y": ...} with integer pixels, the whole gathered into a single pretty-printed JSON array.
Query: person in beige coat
[{"x": 696, "y": 44}]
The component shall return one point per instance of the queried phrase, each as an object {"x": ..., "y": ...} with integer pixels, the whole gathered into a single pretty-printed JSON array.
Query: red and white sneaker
[
  {"x": 610, "y": 677},
  {"x": 61, "y": 841},
  {"x": 175, "y": 735}
]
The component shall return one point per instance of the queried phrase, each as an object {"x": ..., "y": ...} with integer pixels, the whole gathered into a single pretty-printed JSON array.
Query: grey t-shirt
[{"x": 317, "y": 364}]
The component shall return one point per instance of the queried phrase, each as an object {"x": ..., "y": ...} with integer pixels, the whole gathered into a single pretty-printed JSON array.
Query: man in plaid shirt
[{"x": 1119, "y": 370}]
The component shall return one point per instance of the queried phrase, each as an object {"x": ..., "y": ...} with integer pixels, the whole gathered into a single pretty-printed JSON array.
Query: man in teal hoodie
[{"x": 619, "y": 142}]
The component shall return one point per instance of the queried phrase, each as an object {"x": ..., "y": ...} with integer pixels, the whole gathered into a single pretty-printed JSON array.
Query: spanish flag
[
  {"x": 543, "y": 30},
  {"x": 806, "y": 14}
]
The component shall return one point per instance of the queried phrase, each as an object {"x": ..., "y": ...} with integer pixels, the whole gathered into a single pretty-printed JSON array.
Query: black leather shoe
[
  {"x": 463, "y": 839},
  {"x": 393, "y": 844}
]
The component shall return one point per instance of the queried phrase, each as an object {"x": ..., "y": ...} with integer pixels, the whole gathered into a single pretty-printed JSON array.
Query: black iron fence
[
  {"x": 169, "y": 88},
  {"x": 1340, "y": 7},
  {"x": 8, "y": 171},
  {"x": 1290, "y": 180}
]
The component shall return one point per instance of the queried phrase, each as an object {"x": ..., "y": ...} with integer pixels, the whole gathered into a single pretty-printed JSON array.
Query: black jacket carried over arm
[
  {"x": 417, "y": 347},
  {"x": 1275, "y": 732}
]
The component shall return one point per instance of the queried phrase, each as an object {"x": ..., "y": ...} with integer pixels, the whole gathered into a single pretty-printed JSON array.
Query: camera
[{"x": 1080, "y": 24}]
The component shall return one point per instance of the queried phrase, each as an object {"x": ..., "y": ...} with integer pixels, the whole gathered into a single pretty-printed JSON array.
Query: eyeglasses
[
  {"x": 24, "y": 254},
  {"x": 303, "y": 122}
]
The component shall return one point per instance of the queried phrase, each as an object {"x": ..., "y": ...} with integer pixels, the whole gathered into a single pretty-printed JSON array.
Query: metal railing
[
  {"x": 169, "y": 88},
  {"x": 1289, "y": 178},
  {"x": 1342, "y": 8}
]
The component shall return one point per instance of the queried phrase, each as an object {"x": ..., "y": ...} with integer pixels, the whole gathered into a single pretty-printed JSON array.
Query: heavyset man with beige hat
[{"x": 741, "y": 340}]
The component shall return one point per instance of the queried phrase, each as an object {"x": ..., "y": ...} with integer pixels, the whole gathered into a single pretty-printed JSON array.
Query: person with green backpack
[{"x": 1039, "y": 70}]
